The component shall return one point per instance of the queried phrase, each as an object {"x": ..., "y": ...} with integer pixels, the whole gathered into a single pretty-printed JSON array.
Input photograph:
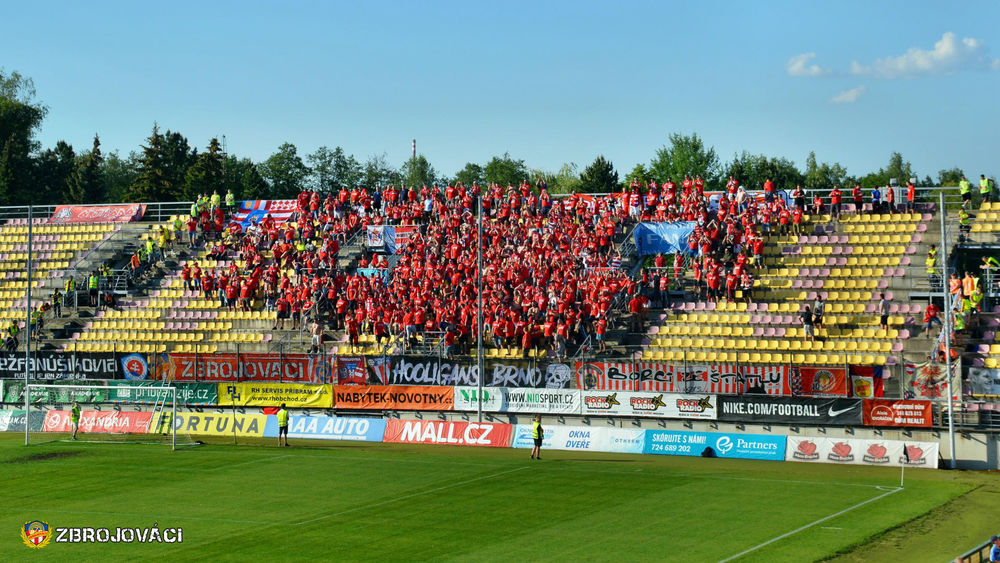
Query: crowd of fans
[{"x": 550, "y": 276}]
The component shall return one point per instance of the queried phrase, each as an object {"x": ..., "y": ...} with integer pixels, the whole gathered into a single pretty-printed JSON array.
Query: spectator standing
[
  {"x": 984, "y": 188},
  {"x": 883, "y": 312},
  {"x": 965, "y": 188},
  {"x": 835, "y": 200},
  {"x": 931, "y": 317},
  {"x": 911, "y": 196},
  {"x": 316, "y": 331},
  {"x": 807, "y": 324},
  {"x": 819, "y": 306}
]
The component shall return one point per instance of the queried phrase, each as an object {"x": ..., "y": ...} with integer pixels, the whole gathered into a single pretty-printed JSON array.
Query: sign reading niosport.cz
[
  {"x": 507, "y": 399},
  {"x": 789, "y": 410},
  {"x": 723, "y": 444}
]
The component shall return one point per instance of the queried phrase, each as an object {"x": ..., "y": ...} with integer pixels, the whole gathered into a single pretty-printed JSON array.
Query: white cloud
[
  {"x": 949, "y": 55},
  {"x": 798, "y": 66},
  {"x": 848, "y": 96}
]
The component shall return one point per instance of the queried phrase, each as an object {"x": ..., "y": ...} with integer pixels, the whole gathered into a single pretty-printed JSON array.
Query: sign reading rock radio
[
  {"x": 505, "y": 399},
  {"x": 790, "y": 410},
  {"x": 431, "y": 371},
  {"x": 583, "y": 438},
  {"x": 744, "y": 446},
  {"x": 663, "y": 405},
  {"x": 852, "y": 451}
]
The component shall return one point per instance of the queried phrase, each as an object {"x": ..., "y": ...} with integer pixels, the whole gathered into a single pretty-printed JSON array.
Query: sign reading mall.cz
[{"x": 790, "y": 410}]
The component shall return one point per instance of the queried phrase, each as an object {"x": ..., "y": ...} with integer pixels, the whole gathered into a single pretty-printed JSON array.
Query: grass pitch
[{"x": 364, "y": 501}]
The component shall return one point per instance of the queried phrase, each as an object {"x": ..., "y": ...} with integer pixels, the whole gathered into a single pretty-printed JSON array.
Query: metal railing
[{"x": 155, "y": 211}]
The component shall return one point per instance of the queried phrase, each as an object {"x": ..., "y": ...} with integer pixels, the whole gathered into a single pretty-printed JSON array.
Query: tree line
[{"x": 167, "y": 167}]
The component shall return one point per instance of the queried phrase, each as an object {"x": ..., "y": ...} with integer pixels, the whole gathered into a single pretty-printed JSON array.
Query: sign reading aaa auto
[
  {"x": 330, "y": 428},
  {"x": 665, "y": 405},
  {"x": 454, "y": 433}
]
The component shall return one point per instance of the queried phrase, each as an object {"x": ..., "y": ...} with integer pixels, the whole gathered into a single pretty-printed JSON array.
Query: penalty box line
[
  {"x": 411, "y": 495},
  {"x": 810, "y": 525}
]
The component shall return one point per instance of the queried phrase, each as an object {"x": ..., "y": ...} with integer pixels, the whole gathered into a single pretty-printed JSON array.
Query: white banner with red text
[{"x": 856, "y": 451}]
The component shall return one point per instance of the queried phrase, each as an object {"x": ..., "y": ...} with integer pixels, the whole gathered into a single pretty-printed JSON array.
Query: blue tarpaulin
[{"x": 653, "y": 238}]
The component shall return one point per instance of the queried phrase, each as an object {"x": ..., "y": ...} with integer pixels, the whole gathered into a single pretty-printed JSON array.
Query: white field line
[
  {"x": 809, "y": 525},
  {"x": 404, "y": 497},
  {"x": 231, "y": 465},
  {"x": 154, "y": 517}
]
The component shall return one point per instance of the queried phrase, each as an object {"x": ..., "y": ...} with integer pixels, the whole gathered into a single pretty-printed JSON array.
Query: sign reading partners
[
  {"x": 663, "y": 405},
  {"x": 790, "y": 410},
  {"x": 295, "y": 395},
  {"x": 393, "y": 397},
  {"x": 215, "y": 424},
  {"x": 507, "y": 399},
  {"x": 293, "y": 368},
  {"x": 723, "y": 444}
]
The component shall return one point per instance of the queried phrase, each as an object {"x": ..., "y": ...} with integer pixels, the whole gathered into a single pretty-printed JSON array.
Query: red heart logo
[
  {"x": 807, "y": 447},
  {"x": 877, "y": 451},
  {"x": 914, "y": 452},
  {"x": 842, "y": 449}
]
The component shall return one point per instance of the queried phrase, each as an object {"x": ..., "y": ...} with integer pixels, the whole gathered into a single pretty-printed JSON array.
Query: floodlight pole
[
  {"x": 948, "y": 308},
  {"x": 27, "y": 339},
  {"x": 480, "y": 368}
]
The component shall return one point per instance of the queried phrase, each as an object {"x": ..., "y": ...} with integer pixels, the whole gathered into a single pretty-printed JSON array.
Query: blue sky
[{"x": 550, "y": 82}]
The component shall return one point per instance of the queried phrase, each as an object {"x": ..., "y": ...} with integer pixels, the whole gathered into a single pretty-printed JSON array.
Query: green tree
[
  {"x": 378, "y": 172},
  {"x": 53, "y": 174},
  {"x": 565, "y": 181},
  {"x": 504, "y": 170},
  {"x": 471, "y": 174},
  {"x": 205, "y": 176},
  {"x": 823, "y": 176},
  {"x": 88, "y": 181},
  {"x": 950, "y": 177},
  {"x": 417, "y": 171},
  {"x": 178, "y": 158},
  {"x": 20, "y": 117},
  {"x": 752, "y": 170},
  {"x": 253, "y": 185},
  {"x": 640, "y": 173},
  {"x": 152, "y": 182},
  {"x": 119, "y": 174},
  {"x": 686, "y": 155},
  {"x": 332, "y": 169},
  {"x": 285, "y": 172},
  {"x": 599, "y": 177}
]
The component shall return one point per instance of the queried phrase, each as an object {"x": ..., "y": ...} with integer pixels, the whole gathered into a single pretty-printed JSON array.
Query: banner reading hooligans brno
[
  {"x": 505, "y": 399},
  {"x": 414, "y": 370},
  {"x": 295, "y": 395}
]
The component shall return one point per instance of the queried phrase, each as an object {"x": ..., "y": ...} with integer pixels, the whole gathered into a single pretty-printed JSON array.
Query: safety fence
[
  {"x": 775, "y": 447},
  {"x": 819, "y": 411}
]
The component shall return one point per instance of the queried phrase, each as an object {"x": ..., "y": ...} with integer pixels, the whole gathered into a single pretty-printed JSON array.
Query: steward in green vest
[
  {"x": 965, "y": 188},
  {"x": 537, "y": 435},
  {"x": 230, "y": 200},
  {"x": 283, "y": 425},
  {"x": 984, "y": 188}
]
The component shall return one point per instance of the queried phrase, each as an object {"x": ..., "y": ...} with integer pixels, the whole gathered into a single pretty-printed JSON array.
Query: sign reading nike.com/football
[
  {"x": 638, "y": 403},
  {"x": 856, "y": 451},
  {"x": 790, "y": 410},
  {"x": 513, "y": 399},
  {"x": 583, "y": 438}
]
